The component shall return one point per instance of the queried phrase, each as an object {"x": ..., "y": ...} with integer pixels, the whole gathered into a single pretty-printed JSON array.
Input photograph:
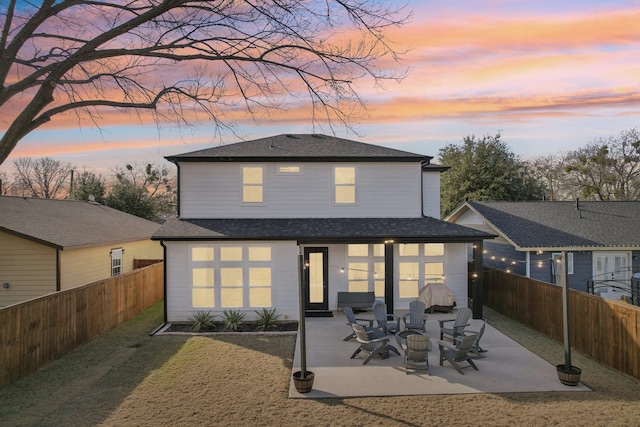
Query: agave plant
[
  {"x": 267, "y": 319},
  {"x": 203, "y": 321},
  {"x": 233, "y": 320}
]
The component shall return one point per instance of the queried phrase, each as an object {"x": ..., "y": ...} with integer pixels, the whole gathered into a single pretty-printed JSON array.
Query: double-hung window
[
  {"x": 252, "y": 184},
  {"x": 116, "y": 261},
  {"x": 344, "y": 180}
]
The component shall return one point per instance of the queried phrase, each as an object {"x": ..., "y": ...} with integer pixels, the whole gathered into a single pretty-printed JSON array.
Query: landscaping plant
[
  {"x": 203, "y": 321},
  {"x": 267, "y": 319},
  {"x": 233, "y": 320}
]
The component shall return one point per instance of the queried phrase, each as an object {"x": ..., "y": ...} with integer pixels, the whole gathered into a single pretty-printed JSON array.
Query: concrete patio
[{"x": 508, "y": 367}]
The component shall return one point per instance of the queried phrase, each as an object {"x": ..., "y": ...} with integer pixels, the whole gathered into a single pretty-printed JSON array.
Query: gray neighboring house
[
  {"x": 49, "y": 245},
  {"x": 602, "y": 240},
  {"x": 364, "y": 218}
]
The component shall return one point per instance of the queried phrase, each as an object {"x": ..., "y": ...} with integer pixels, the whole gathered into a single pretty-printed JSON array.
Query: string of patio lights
[{"x": 540, "y": 263}]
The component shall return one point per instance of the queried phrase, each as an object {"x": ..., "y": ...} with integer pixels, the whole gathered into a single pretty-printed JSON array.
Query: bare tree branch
[{"x": 177, "y": 56}]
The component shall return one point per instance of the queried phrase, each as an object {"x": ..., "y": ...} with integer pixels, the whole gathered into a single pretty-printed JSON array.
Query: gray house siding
[
  {"x": 542, "y": 269},
  {"x": 502, "y": 257}
]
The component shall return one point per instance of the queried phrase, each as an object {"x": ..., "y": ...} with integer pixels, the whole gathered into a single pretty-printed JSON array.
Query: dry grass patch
[{"x": 126, "y": 378}]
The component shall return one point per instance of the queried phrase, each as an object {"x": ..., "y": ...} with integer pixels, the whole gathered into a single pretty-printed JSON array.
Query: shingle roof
[
  {"x": 300, "y": 147},
  {"x": 70, "y": 224},
  {"x": 574, "y": 224},
  {"x": 320, "y": 229}
]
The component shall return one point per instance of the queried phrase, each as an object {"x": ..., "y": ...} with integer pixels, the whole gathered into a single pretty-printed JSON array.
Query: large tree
[
  {"x": 607, "y": 168},
  {"x": 43, "y": 177},
  {"x": 182, "y": 58},
  {"x": 485, "y": 169},
  {"x": 88, "y": 186},
  {"x": 143, "y": 190}
]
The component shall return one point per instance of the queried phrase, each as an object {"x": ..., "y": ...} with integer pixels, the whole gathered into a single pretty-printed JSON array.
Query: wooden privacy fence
[
  {"x": 606, "y": 330},
  {"x": 41, "y": 330}
]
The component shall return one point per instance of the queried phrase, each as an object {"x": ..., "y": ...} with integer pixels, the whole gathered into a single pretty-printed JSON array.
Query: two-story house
[{"x": 364, "y": 218}]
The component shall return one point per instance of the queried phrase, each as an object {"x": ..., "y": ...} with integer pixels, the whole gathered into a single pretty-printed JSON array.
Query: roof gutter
[{"x": 164, "y": 279}]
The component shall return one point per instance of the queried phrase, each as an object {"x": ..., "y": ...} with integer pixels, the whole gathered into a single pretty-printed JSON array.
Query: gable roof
[
  {"x": 299, "y": 148},
  {"x": 351, "y": 230},
  {"x": 540, "y": 225},
  {"x": 71, "y": 224}
]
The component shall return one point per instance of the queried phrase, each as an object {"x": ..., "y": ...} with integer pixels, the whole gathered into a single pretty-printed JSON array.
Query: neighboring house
[
  {"x": 357, "y": 217},
  {"x": 49, "y": 245},
  {"x": 602, "y": 240}
]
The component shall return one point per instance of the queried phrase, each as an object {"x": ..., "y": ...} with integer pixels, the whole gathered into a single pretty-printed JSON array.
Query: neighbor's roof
[
  {"x": 549, "y": 225},
  {"x": 320, "y": 230},
  {"x": 71, "y": 224},
  {"x": 300, "y": 148}
]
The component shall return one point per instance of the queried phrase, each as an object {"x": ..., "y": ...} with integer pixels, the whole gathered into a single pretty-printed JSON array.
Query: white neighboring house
[
  {"x": 49, "y": 245},
  {"x": 361, "y": 216}
]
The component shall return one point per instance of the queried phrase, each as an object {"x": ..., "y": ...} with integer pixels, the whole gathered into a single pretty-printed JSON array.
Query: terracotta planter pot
[
  {"x": 303, "y": 385},
  {"x": 570, "y": 376}
]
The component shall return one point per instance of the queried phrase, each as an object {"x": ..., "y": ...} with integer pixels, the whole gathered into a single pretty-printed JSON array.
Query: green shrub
[
  {"x": 267, "y": 319},
  {"x": 203, "y": 321},
  {"x": 233, "y": 320}
]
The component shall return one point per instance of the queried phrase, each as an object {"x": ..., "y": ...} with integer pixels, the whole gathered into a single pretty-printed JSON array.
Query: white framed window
[
  {"x": 556, "y": 256},
  {"x": 252, "y": 177},
  {"x": 230, "y": 276},
  {"x": 365, "y": 268},
  {"x": 288, "y": 169},
  {"x": 408, "y": 249},
  {"x": 433, "y": 272},
  {"x": 409, "y": 279},
  {"x": 344, "y": 181},
  {"x": 434, "y": 249},
  {"x": 202, "y": 276},
  {"x": 419, "y": 264},
  {"x": 116, "y": 261}
]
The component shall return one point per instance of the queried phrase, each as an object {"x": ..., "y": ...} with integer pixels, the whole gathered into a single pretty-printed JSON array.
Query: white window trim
[
  {"x": 264, "y": 184},
  {"x": 116, "y": 270},
  {"x": 371, "y": 259},
  {"x": 287, "y": 173},
  {"x": 245, "y": 264},
  {"x": 569, "y": 260},
  {"x": 334, "y": 185},
  {"x": 421, "y": 259}
]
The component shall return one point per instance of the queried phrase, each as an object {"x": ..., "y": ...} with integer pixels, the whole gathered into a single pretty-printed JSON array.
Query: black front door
[{"x": 316, "y": 279}]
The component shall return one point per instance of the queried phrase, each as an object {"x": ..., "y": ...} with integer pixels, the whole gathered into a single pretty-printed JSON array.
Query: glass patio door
[{"x": 316, "y": 278}]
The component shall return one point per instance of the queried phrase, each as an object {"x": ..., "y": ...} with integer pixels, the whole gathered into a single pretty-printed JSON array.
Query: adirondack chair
[
  {"x": 416, "y": 318},
  {"x": 416, "y": 355},
  {"x": 353, "y": 320},
  {"x": 458, "y": 353},
  {"x": 374, "y": 344},
  {"x": 382, "y": 318},
  {"x": 459, "y": 323},
  {"x": 475, "y": 348}
]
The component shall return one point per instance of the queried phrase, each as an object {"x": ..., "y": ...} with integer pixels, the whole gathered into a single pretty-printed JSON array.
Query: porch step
[{"x": 318, "y": 313}]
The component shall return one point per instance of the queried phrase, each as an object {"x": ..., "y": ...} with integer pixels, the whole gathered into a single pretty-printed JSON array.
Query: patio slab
[{"x": 507, "y": 368}]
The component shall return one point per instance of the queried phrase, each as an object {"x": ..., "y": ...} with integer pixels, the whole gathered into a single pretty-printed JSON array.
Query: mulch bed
[{"x": 249, "y": 327}]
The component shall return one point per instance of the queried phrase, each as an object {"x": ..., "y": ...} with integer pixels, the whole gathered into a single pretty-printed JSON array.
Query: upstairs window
[
  {"x": 252, "y": 184},
  {"x": 344, "y": 178},
  {"x": 116, "y": 262},
  {"x": 288, "y": 169}
]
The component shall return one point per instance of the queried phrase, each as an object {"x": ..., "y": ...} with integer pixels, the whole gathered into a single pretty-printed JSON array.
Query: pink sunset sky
[{"x": 550, "y": 76}]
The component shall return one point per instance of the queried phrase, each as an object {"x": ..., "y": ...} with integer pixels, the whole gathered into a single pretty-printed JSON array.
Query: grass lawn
[{"x": 126, "y": 377}]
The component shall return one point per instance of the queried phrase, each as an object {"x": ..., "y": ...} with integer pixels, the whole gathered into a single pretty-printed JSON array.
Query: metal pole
[
  {"x": 565, "y": 311},
  {"x": 302, "y": 326}
]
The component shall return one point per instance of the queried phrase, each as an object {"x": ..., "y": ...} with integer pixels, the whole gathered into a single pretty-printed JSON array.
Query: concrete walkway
[{"x": 508, "y": 367}]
